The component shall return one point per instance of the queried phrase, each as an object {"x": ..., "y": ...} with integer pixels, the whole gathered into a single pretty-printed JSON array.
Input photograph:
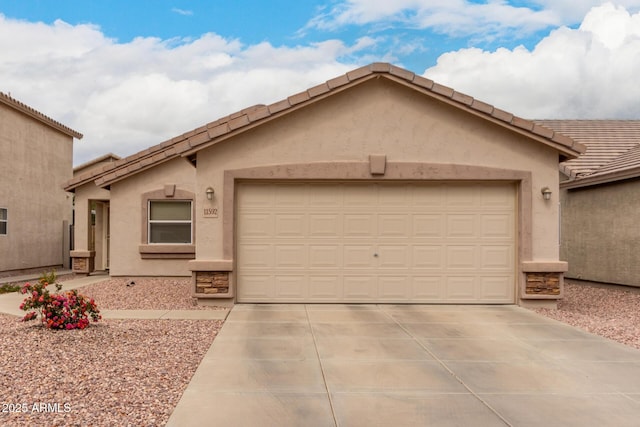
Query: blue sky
[
  {"x": 130, "y": 74},
  {"x": 279, "y": 22}
]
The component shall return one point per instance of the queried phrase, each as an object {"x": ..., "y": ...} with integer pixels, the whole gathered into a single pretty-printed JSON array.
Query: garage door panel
[
  {"x": 431, "y": 257},
  {"x": 496, "y": 257},
  {"x": 360, "y": 288},
  {"x": 290, "y": 195},
  {"x": 325, "y": 288},
  {"x": 499, "y": 226},
  {"x": 461, "y": 226},
  {"x": 431, "y": 225},
  {"x": 325, "y": 196},
  {"x": 255, "y": 196},
  {"x": 325, "y": 256},
  {"x": 394, "y": 225},
  {"x": 257, "y": 287},
  {"x": 461, "y": 196},
  {"x": 495, "y": 197},
  {"x": 394, "y": 288},
  {"x": 288, "y": 287},
  {"x": 317, "y": 242},
  {"x": 497, "y": 288},
  {"x": 257, "y": 225},
  {"x": 325, "y": 225},
  {"x": 394, "y": 195},
  {"x": 433, "y": 196},
  {"x": 428, "y": 288},
  {"x": 394, "y": 256},
  {"x": 291, "y": 225},
  {"x": 461, "y": 257},
  {"x": 460, "y": 288},
  {"x": 256, "y": 256},
  {"x": 291, "y": 256},
  {"x": 359, "y": 225},
  {"x": 359, "y": 256}
]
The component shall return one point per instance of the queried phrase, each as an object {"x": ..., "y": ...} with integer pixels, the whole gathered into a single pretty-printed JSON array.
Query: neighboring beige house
[
  {"x": 35, "y": 211},
  {"x": 600, "y": 196},
  {"x": 376, "y": 186}
]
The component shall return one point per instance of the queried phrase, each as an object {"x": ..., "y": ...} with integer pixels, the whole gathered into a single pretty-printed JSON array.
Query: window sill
[{"x": 167, "y": 251}]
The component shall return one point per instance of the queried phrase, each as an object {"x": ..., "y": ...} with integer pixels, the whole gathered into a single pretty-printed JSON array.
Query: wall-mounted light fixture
[
  {"x": 546, "y": 193},
  {"x": 209, "y": 192}
]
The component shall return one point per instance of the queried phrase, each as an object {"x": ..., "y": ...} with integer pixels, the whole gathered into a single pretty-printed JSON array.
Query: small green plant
[
  {"x": 7, "y": 288},
  {"x": 50, "y": 277},
  {"x": 67, "y": 310}
]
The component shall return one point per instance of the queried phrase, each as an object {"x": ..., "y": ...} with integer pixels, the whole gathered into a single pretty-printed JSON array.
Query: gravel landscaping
[
  {"x": 609, "y": 311},
  {"x": 115, "y": 372},
  {"x": 149, "y": 293},
  {"x": 133, "y": 372}
]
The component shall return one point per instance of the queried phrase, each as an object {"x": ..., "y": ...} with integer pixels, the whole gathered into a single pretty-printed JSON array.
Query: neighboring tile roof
[
  {"x": 25, "y": 109},
  {"x": 202, "y": 137},
  {"x": 109, "y": 157},
  {"x": 612, "y": 149}
]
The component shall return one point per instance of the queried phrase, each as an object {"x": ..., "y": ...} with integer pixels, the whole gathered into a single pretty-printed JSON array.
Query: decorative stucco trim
[
  {"x": 216, "y": 265},
  {"x": 395, "y": 171},
  {"x": 544, "y": 266},
  {"x": 167, "y": 251}
]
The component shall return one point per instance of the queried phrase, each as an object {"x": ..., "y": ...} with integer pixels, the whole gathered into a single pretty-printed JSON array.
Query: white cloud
[
  {"x": 589, "y": 72},
  {"x": 125, "y": 97},
  {"x": 460, "y": 18},
  {"x": 182, "y": 11}
]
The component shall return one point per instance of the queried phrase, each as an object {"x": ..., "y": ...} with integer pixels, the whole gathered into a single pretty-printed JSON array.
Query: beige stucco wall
[
  {"x": 600, "y": 233},
  {"x": 127, "y": 220},
  {"x": 36, "y": 161},
  {"x": 381, "y": 117}
]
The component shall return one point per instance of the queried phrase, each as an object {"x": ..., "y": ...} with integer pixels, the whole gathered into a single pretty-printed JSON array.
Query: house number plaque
[{"x": 211, "y": 212}]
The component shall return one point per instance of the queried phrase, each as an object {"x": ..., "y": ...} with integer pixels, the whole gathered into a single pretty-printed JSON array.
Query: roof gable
[
  {"x": 191, "y": 142},
  {"x": 28, "y": 111}
]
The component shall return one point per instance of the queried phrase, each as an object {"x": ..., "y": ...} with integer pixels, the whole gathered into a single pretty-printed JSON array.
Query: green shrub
[{"x": 7, "y": 288}]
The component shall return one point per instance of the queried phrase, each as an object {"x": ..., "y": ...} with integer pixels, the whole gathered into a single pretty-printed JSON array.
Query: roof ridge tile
[{"x": 30, "y": 111}]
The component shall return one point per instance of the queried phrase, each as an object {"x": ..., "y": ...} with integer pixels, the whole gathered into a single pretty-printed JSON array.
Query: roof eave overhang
[{"x": 589, "y": 181}]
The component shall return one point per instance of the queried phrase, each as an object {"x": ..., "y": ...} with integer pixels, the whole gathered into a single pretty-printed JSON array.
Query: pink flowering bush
[{"x": 68, "y": 310}]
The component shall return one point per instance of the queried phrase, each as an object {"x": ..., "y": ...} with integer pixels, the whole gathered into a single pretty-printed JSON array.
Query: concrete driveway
[{"x": 342, "y": 365}]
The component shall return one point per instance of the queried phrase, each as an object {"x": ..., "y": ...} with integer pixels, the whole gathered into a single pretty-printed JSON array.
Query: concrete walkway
[
  {"x": 10, "y": 303},
  {"x": 340, "y": 365}
]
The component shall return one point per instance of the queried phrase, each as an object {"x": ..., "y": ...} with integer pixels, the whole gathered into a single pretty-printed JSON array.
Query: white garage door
[{"x": 376, "y": 242}]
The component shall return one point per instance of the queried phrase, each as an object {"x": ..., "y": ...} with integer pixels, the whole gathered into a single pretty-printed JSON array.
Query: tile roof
[
  {"x": 109, "y": 157},
  {"x": 189, "y": 143},
  {"x": 25, "y": 109},
  {"x": 613, "y": 149}
]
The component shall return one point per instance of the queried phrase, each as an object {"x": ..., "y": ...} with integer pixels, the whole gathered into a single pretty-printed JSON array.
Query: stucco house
[
  {"x": 600, "y": 201},
  {"x": 35, "y": 211},
  {"x": 377, "y": 186}
]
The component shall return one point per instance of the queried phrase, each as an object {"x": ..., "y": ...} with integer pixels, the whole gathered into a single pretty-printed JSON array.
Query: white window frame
[
  {"x": 164, "y": 221},
  {"x": 5, "y": 221}
]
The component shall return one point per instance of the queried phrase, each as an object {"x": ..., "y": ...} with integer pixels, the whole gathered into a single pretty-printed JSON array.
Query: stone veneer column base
[
  {"x": 212, "y": 279},
  {"x": 82, "y": 262},
  {"x": 543, "y": 280}
]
